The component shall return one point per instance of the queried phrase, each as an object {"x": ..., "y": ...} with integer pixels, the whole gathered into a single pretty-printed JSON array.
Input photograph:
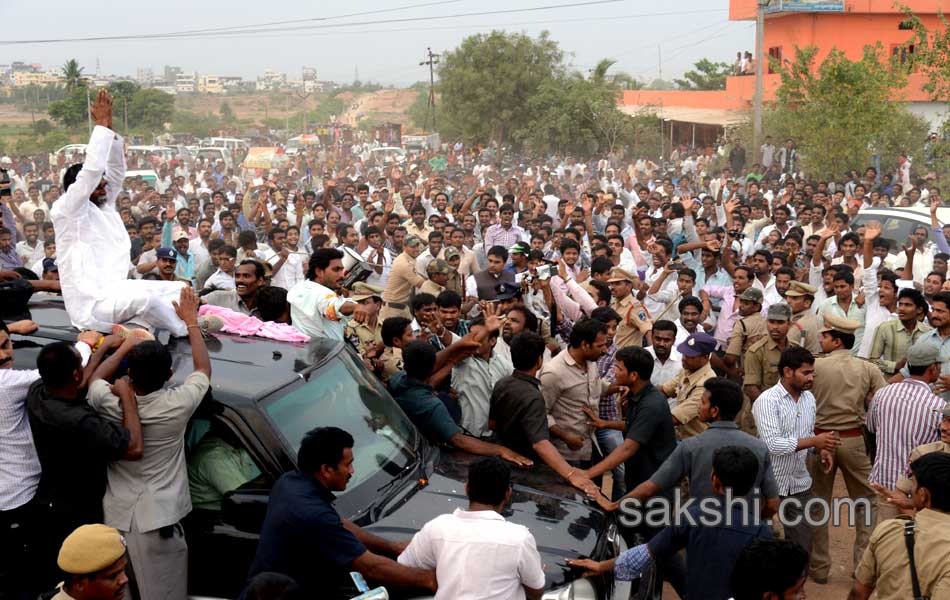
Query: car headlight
[{"x": 580, "y": 589}]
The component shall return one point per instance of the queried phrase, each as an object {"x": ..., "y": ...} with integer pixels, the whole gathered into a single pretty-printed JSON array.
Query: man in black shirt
[
  {"x": 74, "y": 444},
  {"x": 520, "y": 417},
  {"x": 304, "y": 537},
  {"x": 649, "y": 437}
]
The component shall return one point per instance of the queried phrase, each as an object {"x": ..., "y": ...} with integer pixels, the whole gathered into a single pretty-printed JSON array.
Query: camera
[{"x": 736, "y": 234}]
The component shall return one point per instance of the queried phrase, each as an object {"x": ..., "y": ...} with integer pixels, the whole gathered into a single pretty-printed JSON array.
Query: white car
[
  {"x": 897, "y": 223},
  {"x": 387, "y": 155},
  {"x": 69, "y": 149}
]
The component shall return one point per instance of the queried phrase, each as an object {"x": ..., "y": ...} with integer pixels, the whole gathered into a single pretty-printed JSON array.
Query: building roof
[{"x": 683, "y": 114}]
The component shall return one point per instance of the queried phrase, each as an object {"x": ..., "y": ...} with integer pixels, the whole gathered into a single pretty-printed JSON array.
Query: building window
[
  {"x": 906, "y": 25},
  {"x": 903, "y": 55},
  {"x": 775, "y": 53}
]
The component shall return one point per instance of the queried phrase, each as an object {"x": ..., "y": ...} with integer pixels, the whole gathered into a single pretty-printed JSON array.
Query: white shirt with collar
[
  {"x": 476, "y": 554},
  {"x": 665, "y": 371}
]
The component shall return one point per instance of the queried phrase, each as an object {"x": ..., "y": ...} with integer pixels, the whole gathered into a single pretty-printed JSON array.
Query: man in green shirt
[
  {"x": 893, "y": 338},
  {"x": 217, "y": 465}
]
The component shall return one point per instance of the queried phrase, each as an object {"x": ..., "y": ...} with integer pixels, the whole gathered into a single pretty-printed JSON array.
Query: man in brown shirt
[
  {"x": 843, "y": 386},
  {"x": 749, "y": 329},
  {"x": 687, "y": 387},
  {"x": 402, "y": 280},
  {"x": 804, "y": 329},
  {"x": 760, "y": 363},
  {"x": 635, "y": 323}
]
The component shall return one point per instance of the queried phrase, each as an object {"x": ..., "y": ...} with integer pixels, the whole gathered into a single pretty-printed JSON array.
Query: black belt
[{"x": 396, "y": 305}]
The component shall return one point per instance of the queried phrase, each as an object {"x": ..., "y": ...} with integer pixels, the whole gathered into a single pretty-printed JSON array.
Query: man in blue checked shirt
[{"x": 713, "y": 547}]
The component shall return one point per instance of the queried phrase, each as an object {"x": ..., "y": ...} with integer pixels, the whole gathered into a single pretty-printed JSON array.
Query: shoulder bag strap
[{"x": 909, "y": 542}]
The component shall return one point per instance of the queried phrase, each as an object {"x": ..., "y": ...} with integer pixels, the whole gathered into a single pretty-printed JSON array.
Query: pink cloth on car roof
[{"x": 244, "y": 325}]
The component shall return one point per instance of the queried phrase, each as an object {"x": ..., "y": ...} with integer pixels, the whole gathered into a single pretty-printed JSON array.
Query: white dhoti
[{"x": 142, "y": 300}]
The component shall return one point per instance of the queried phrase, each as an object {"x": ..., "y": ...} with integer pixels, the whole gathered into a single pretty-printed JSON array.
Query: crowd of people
[{"x": 713, "y": 329}]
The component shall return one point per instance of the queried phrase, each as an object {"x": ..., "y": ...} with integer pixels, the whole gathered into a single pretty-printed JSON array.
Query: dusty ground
[
  {"x": 9, "y": 115},
  {"x": 383, "y": 105}
]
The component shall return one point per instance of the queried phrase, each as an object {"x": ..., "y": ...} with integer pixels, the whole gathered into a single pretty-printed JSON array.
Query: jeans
[{"x": 609, "y": 440}]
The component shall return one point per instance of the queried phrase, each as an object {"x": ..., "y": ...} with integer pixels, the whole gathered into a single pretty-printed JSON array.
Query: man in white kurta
[{"x": 92, "y": 245}]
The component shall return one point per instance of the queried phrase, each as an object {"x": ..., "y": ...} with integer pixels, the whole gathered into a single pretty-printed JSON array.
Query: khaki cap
[
  {"x": 89, "y": 549},
  {"x": 797, "y": 288},
  {"x": 839, "y": 324},
  {"x": 618, "y": 274},
  {"x": 361, "y": 291}
]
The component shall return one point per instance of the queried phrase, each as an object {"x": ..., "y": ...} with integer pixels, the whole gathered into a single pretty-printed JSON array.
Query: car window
[
  {"x": 896, "y": 229},
  {"x": 345, "y": 396}
]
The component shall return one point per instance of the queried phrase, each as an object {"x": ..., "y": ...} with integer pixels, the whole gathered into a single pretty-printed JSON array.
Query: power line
[
  {"x": 217, "y": 34},
  {"x": 433, "y": 60}
]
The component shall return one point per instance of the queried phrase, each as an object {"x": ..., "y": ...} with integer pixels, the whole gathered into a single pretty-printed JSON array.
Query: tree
[
  {"x": 707, "y": 75},
  {"x": 151, "y": 109},
  {"x": 71, "y": 110},
  {"x": 844, "y": 112},
  {"x": 122, "y": 93},
  {"x": 486, "y": 84},
  {"x": 226, "y": 112},
  {"x": 72, "y": 74},
  {"x": 931, "y": 56}
]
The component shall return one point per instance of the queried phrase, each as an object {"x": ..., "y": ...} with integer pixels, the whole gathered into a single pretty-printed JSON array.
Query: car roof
[
  {"x": 916, "y": 213},
  {"x": 244, "y": 369}
]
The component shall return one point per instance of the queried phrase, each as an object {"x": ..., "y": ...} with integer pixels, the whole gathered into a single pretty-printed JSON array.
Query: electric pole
[
  {"x": 430, "y": 107},
  {"x": 759, "y": 72}
]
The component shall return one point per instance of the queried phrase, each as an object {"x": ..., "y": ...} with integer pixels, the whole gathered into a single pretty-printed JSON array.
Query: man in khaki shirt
[
  {"x": 570, "y": 383},
  {"x": 843, "y": 386},
  {"x": 402, "y": 280},
  {"x": 635, "y": 323},
  {"x": 885, "y": 565},
  {"x": 687, "y": 386},
  {"x": 366, "y": 335},
  {"x": 804, "y": 329},
  {"x": 438, "y": 272},
  {"x": 748, "y": 330},
  {"x": 760, "y": 363}
]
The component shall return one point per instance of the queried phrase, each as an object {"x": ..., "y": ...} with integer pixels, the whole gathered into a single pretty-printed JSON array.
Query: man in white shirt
[
  {"x": 93, "y": 246},
  {"x": 667, "y": 362},
  {"x": 315, "y": 307},
  {"x": 477, "y": 553}
]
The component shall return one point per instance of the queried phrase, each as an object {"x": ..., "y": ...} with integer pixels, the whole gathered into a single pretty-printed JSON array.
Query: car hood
[{"x": 562, "y": 527}]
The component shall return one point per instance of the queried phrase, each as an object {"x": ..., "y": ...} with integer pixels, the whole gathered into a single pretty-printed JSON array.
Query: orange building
[{"x": 848, "y": 25}]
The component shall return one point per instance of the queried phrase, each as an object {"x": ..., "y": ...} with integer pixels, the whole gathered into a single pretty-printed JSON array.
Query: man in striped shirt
[
  {"x": 785, "y": 419},
  {"x": 904, "y": 415}
]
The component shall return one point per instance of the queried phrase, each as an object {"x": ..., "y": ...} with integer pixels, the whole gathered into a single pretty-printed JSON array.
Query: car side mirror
[{"x": 245, "y": 509}]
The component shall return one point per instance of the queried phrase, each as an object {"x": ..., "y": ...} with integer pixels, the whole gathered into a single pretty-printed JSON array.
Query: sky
[{"x": 385, "y": 43}]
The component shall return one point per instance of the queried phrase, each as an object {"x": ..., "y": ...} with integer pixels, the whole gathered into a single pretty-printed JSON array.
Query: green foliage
[
  {"x": 843, "y": 112},
  {"x": 71, "y": 110},
  {"x": 151, "y": 109},
  {"x": 661, "y": 84},
  {"x": 707, "y": 75},
  {"x": 486, "y": 84},
  {"x": 194, "y": 123},
  {"x": 42, "y": 127},
  {"x": 226, "y": 112},
  {"x": 122, "y": 91},
  {"x": 72, "y": 74}
]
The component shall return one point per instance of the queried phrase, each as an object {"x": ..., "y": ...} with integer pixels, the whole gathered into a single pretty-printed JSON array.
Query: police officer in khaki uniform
[
  {"x": 94, "y": 559},
  {"x": 885, "y": 566},
  {"x": 635, "y": 323},
  {"x": 804, "y": 330},
  {"x": 749, "y": 329},
  {"x": 403, "y": 279},
  {"x": 760, "y": 362},
  {"x": 687, "y": 387},
  {"x": 843, "y": 386},
  {"x": 367, "y": 335},
  {"x": 438, "y": 272}
]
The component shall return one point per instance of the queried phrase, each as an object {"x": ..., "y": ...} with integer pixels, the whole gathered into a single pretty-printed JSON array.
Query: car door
[{"x": 222, "y": 543}]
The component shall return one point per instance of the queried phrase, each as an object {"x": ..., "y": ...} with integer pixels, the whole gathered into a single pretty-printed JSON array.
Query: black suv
[{"x": 268, "y": 394}]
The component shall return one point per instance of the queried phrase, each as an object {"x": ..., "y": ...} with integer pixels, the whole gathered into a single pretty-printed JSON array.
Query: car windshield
[{"x": 341, "y": 394}]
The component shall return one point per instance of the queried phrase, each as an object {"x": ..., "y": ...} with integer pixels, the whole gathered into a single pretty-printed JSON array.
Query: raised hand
[
  {"x": 187, "y": 306},
  {"x": 872, "y": 229},
  {"x": 101, "y": 109}
]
